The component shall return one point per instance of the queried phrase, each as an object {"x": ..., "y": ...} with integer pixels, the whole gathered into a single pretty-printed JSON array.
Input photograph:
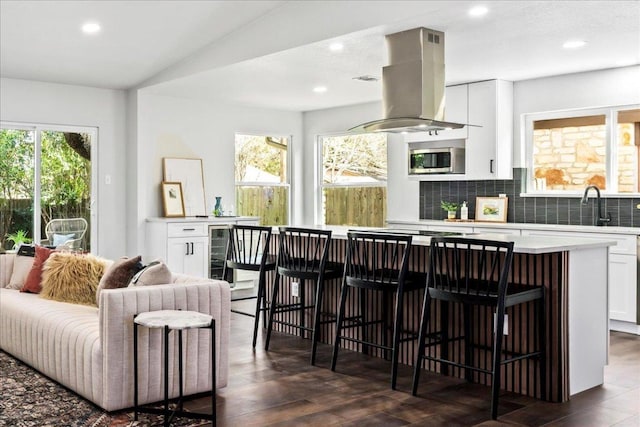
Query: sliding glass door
[{"x": 46, "y": 174}]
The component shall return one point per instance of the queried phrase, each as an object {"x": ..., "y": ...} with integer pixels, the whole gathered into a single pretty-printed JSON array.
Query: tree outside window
[{"x": 261, "y": 175}]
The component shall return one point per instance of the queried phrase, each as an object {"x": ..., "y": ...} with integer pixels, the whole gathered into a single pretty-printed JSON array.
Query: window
[
  {"x": 262, "y": 178},
  {"x": 46, "y": 174},
  {"x": 573, "y": 149},
  {"x": 353, "y": 180}
]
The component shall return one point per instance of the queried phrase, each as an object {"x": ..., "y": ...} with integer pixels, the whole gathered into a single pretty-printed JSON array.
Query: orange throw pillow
[{"x": 33, "y": 282}]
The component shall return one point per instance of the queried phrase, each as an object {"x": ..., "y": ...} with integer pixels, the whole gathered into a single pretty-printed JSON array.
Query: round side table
[{"x": 178, "y": 320}]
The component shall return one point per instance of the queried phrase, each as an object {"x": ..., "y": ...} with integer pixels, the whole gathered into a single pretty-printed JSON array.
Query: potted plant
[
  {"x": 18, "y": 238},
  {"x": 450, "y": 207}
]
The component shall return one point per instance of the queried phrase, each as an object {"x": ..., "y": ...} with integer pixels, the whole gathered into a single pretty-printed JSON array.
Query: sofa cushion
[
  {"x": 73, "y": 278},
  {"x": 33, "y": 281},
  {"x": 119, "y": 274},
  {"x": 156, "y": 273},
  {"x": 21, "y": 267}
]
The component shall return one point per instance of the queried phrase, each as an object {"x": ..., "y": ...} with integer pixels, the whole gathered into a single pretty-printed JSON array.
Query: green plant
[
  {"x": 449, "y": 206},
  {"x": 18, "y": 238}
]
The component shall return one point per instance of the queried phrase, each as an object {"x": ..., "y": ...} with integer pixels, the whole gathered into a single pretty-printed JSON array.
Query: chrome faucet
[{"x": 600, "y": 220}]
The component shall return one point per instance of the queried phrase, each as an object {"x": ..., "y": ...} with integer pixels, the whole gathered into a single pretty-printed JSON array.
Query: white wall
[
  {"x": 618, "y": 86},
  {"x": 180, "y": 127},
  {"x": 402, "y": 194},
  {"x": 47, "y": 103}
]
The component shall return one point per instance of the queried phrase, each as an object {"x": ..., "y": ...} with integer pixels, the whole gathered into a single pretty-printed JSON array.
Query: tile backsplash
[{"x": 537, "y": 210}]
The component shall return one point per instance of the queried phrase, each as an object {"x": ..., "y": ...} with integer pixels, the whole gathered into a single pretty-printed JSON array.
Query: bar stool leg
[
  {"x": 315, "y": 334},
  {"x": 302, "y": 310},
  {"x": 363, "y": 319},
  {"x": 424, "y": 325},
  {"x": 272, "y": 309},
  {"x": 261, "y": 305},
  {"x": 341, "y": 309}
]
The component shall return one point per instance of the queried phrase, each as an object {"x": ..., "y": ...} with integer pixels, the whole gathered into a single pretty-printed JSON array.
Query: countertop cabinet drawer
[{"x": 186, "y": 229}]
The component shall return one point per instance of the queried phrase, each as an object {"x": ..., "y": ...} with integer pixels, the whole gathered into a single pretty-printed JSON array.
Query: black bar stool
[
  {"x": 248, "y": 249},
  {"x": 475, "y": 272},
  {"x": 376, "y": 262},
  {"x": 302, "y": 255}
]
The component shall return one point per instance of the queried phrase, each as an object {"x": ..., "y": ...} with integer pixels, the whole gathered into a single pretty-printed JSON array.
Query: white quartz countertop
[
  {"x": 523, "y": 226},
  {"x": 522, "y": 244},
  {"x": 208, "y": 219}
]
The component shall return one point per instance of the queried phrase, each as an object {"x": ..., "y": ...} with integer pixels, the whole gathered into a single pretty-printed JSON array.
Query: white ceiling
[{"x": 244, "y": 64}]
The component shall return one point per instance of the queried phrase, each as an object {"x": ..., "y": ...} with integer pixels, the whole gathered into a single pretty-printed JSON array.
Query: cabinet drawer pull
[{"x": 188, "y": 229}]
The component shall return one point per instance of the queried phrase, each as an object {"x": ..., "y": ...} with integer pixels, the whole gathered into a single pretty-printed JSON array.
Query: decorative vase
[
  {"x": 217, "y": 209},
  {"x": 451, "y": 215}
]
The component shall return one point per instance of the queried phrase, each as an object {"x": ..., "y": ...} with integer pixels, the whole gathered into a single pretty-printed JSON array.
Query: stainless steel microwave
[{"x": 436, "y": 160}]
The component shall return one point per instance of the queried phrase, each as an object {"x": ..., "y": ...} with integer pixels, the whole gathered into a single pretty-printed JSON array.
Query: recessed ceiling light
[
  {"x": 478, "y": 11},
  {"x": 336, "y": 47},
  {"x": 91, "y": 28},
  {"x": 573, "y": 44},
  {"x": 320, "y": 89}
]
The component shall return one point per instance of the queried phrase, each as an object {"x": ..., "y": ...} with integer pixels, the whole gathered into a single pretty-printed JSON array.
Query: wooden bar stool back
[
  {"x": 248, "y": 249},
  {"x": 475, "y": 272},
  {"x": 376, "y": 262},
  {"x": 302, "y": 257}
]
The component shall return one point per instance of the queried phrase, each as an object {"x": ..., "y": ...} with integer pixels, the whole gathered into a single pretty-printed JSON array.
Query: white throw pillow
[
  {"x": 21, "y": 268},
  {"x": 60, "y": 239},
  {"x": 156, "y": 273}
]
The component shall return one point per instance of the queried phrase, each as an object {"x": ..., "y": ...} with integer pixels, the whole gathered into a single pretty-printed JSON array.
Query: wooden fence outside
[
  {"x": 363, "y": 206},
  {"x": 271, "y": 204}
]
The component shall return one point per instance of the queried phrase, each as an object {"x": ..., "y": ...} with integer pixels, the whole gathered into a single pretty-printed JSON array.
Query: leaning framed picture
[
  {"x": 491, "y": 209},
  {"x": 172, "y": 200}
]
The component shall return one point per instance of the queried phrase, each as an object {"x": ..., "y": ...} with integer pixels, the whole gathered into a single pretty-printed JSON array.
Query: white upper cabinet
[
  {"x": 489, "y": 146},
  {"x": 487, "y": 105}
]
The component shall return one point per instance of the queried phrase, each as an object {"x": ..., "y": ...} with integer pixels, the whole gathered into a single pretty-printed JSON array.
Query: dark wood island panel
[{"x": 550, "y": 270}]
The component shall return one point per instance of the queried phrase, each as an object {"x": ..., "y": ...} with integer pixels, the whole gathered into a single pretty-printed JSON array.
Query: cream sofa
[{"x": 90, "y": 350}]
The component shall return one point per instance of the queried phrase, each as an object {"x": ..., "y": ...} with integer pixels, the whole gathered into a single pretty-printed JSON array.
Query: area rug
[{"x": 31, "y": 399}]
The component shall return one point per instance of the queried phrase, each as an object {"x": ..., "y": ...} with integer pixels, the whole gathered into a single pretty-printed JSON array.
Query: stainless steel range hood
[{"x": 412, "y": 84}]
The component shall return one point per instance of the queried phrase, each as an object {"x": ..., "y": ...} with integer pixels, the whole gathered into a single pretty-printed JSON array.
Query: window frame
[
  {"x": 289, "y": 171},
  {"x": 611, "y": 137},
  {"x": 37, "y": 129},
  {"x": 319, "y": 185}
]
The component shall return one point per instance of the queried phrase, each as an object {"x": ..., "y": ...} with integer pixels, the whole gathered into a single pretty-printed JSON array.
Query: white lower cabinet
[
  {"x": 187, "y": 255},
  {"x": 186, "y": 245},
  {"x": 623, "y": 271},
  {"x": 622, "y": 287}
]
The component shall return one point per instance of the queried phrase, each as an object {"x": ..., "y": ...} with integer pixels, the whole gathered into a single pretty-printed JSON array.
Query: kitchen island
[{"x": 574, "y": 273}]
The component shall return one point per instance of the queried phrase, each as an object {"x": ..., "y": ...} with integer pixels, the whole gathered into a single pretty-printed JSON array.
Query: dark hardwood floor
[{"x": 280, "y": 388}]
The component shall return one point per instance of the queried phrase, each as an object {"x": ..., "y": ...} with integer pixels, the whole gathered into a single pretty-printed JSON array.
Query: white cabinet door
[
  {"x": 187, "y": 255},
  {"x": 623, "y": 275},
  {"x": 622, "y": 287},
  {"x": 489, "y": 145}
]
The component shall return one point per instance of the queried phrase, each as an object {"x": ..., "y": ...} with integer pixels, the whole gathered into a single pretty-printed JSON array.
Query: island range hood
[{"x": 412, "y": 84}]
